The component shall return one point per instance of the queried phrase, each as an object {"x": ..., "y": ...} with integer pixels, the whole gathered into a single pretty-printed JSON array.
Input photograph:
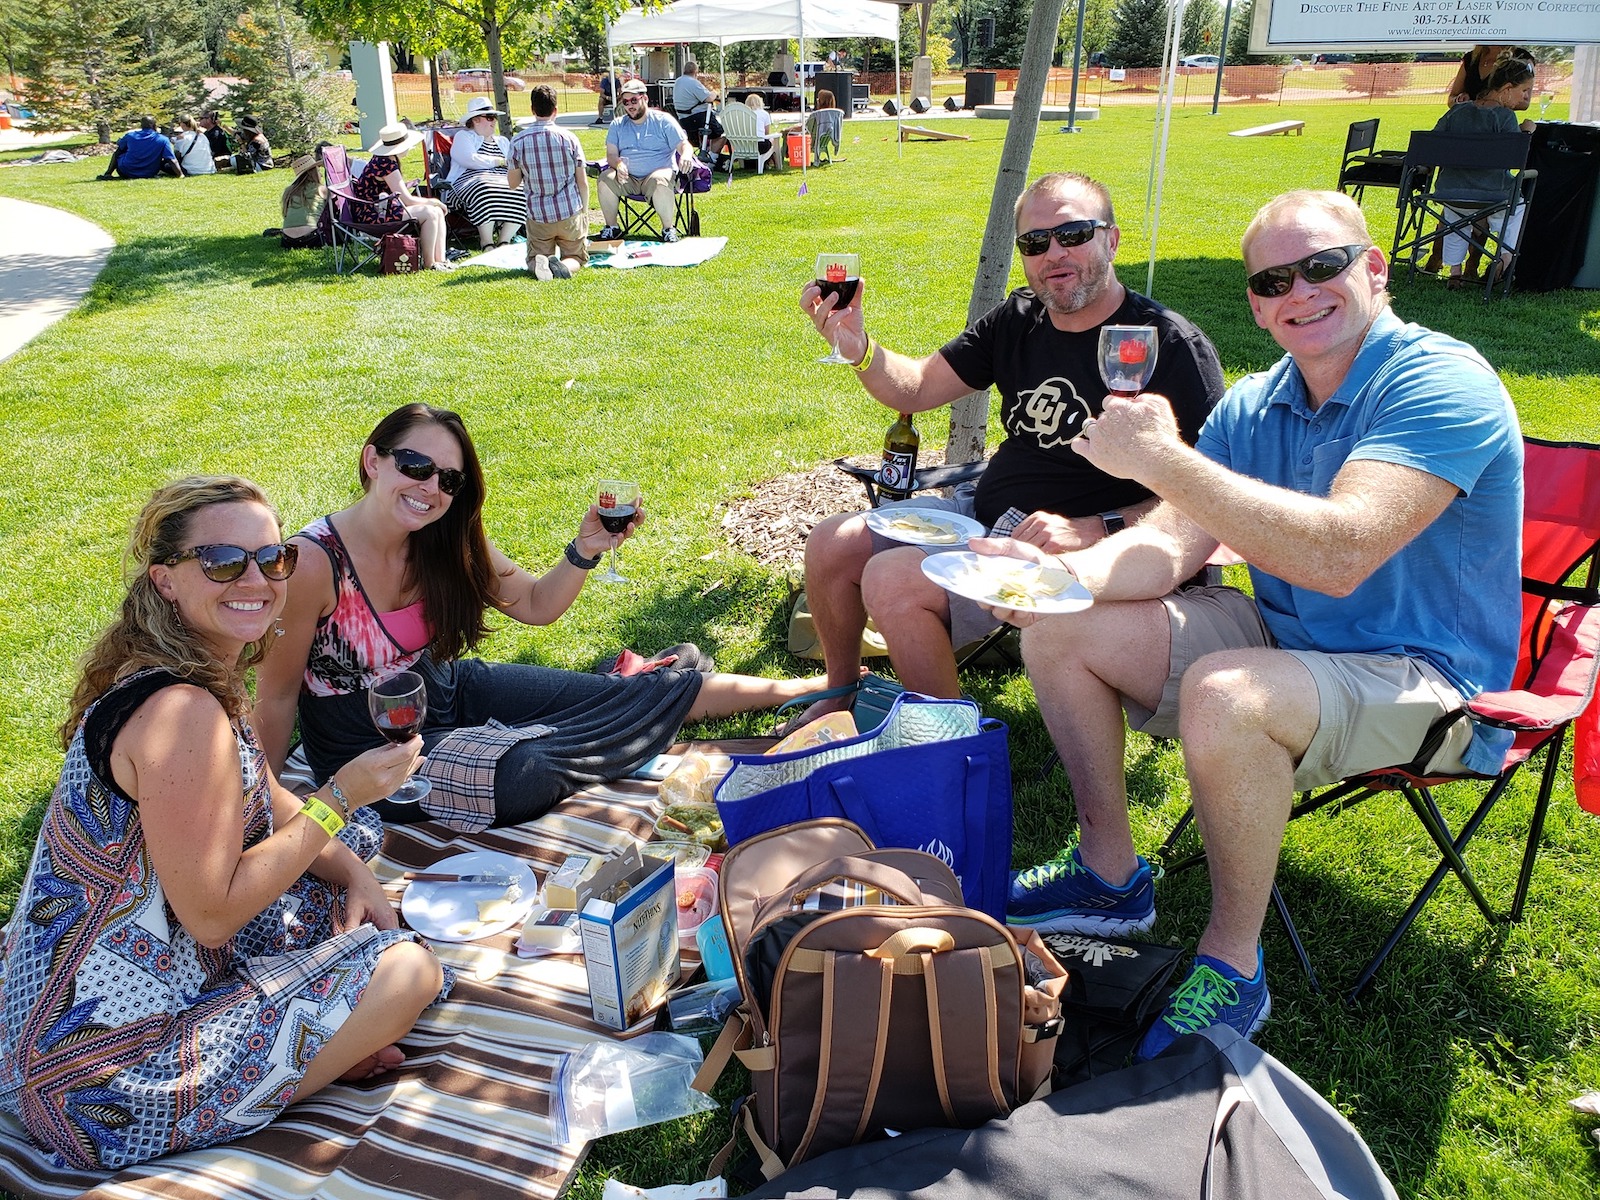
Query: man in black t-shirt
[{"x": 1040, "y": 349}]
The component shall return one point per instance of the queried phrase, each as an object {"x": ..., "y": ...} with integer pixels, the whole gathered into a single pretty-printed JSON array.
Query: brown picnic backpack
[{"x": 873, "y": 998}]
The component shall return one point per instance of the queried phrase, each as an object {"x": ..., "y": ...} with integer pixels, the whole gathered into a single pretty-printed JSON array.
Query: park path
[{"x": 48, "y": 261}]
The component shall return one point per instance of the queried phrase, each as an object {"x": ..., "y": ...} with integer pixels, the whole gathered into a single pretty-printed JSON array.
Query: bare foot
[{"x": 373, "y": 1065}]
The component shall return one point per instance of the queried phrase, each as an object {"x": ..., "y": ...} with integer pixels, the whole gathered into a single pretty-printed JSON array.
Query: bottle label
[{"x": 898, "y": 468}]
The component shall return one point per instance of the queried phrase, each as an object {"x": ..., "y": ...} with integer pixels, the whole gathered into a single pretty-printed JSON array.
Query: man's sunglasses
[
  {"x": 1317, "y": 268},
  {"x": 421, "y": 468},
  {"x": 1067, "y": 235},
  {"x": 224, "y": 564}
]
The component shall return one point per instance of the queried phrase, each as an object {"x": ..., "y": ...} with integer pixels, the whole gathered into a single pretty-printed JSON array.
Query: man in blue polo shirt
[
  {"x": 644, "y": 149},
  {"x": 143, "y": 153},
  {"x": 1372, "y": 479}
]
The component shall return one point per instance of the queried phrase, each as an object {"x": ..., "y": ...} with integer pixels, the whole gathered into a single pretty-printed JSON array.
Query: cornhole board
[
  {"x": 1298, "y": 128},
  {"x": 934, "y": 135}
]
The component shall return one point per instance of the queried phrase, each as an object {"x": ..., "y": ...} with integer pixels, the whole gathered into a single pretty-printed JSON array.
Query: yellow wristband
[
  {"x": 324, "y": 816},
  {"x": 866, "y": 359}
]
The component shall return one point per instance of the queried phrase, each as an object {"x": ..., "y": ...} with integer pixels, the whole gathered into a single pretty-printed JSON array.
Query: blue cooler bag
[{"x": 935, "y": 776}]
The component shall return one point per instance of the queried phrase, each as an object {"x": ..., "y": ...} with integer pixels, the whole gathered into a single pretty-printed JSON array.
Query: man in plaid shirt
[{"x": 547, "y": 163}]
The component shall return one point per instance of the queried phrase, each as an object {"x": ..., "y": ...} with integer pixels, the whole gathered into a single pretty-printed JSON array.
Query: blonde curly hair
[{"x": 147, "y": 632}]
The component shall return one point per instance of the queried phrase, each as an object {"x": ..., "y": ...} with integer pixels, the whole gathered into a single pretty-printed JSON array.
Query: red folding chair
[{"x": 1554, "y": 685}]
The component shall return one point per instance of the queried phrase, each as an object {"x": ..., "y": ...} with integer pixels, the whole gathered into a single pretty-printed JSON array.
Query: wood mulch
[{"x": 772, "y": 523}]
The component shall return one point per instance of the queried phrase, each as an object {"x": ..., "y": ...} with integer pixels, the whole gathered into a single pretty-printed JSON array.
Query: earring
[
  {"x": 277, "y": 627},
  {"x": 176, "y": 615}
]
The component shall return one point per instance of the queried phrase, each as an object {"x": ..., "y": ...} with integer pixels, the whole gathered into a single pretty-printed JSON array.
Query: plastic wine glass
[
  {"x": 1127, "y": 357},
  {"x": 838, "y": 275},
  {"x": 618, "y": 502},
  {"x": 398, "y": 703}
]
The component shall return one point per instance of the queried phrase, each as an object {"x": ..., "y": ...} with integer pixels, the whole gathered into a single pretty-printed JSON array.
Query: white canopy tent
[{"x": 727, "y": 21}]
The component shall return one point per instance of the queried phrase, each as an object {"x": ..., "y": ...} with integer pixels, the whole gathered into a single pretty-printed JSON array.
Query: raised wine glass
[
  {"x": 838, "y": 275},
  {"x": 618, "y": 502},
  {"x": 1127, "y": 357},
  {"x": 398, "y": 703}
]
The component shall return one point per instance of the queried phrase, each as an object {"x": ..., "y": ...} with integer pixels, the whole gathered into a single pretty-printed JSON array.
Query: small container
[
  {"x": 685, "y": 852},
  {"x": 712, "y": 940},
  {"x": 696, "y": 892}
]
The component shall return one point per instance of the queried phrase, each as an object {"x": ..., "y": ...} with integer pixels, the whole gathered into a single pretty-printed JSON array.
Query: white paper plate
[
  {"x": 448, "y": 912},
  {"x": 958, "y": 528},
  {"x": 980, "y": 576}
]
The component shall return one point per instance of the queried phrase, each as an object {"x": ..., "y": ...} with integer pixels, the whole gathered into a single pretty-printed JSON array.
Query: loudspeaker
[
  {"x": 951, "y": 104},
  {"x": 919, "y": 104},
  {"x": 891, "y": 108}
]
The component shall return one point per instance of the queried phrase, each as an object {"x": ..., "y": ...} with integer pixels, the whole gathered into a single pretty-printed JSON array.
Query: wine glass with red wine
[
  {"x": 397, "y": 704},
  {"x": 838, "y": 275},
  {"x": 1127, "y": 357},
  {"x": 618, "y": 503}
]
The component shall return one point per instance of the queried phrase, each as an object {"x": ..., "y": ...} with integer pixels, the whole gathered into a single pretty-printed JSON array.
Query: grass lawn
[{"x": 206, "y": 348}]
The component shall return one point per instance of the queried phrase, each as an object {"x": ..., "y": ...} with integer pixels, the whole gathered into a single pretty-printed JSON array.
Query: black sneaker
[
  {"x": 608, "y": 233},
  {"x": 559, "y": 269}
]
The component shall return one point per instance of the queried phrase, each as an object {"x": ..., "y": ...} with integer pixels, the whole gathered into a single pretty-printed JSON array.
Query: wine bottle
[{"x": 897, "y": 476}]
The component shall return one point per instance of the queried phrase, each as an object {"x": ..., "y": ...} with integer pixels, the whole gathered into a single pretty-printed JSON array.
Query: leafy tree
[
  {"x": 581, "y": 28},
  {"x": 103, "y": 63},
  {"x": 1011, "y": 19},
  {"x": 1239, "y": 39},
  {"x": 1202, "y": 28},
  {"x": 1140, "y": 31},
  {"x": 10, "y": 41},
  {"x": 298, "y": 100}
]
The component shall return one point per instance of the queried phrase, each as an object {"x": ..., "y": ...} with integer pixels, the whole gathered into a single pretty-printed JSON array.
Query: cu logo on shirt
[{"x": 1052, "y": 414}]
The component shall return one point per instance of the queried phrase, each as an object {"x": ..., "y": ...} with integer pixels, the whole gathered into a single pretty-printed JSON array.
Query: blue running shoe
[
  {"x": 1214, "y": 994},
  {"x": 1064, "y": 896}
]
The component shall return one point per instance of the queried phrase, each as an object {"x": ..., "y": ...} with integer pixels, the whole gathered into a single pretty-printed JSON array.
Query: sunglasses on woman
[
  {"x": 1317, "y": 268},
  {"x": 1067, "y": 235},
  {"x": 420, "y": 467},
  {"x": 224, "y": 564}
]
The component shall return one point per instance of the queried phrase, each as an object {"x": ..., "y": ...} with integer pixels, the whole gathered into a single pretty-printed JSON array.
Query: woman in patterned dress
[
  {"x": 381, "y": 178},
  {"x": 404, "y": 579},
  {"x": 194, "y": 948}
]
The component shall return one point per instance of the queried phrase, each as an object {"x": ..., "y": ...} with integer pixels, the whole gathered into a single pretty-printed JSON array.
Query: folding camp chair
[
  {"x": 637, "y": 217},
  {"x": 1423, "y": 205},
  {"x": 456, "y": 226},
  {"x": 355, "y": 243},
  {"x": 1553, "y": 684},
  {"x": 1366, "y": 166}
]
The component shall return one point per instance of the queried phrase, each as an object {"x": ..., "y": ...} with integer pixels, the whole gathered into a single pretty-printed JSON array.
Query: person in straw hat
[
  {"x": 383, "y": 178},
  {"x": 302, "y": 206},
  {"x": 477, "y": 179}
]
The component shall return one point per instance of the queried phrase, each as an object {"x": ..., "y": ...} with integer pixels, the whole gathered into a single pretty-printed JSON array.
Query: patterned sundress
[{"x": 121, "y": 1037}]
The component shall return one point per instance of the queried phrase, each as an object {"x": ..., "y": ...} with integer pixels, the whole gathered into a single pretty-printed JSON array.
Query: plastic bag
[{"x": 607, "y": 1086}]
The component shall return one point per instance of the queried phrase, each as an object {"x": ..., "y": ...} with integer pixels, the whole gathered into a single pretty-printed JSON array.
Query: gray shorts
[
  {"x": 1375, "y": 709},
  {"x": 969, "y": 624}
]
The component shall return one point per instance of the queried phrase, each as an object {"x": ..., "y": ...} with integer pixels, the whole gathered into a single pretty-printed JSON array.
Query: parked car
[
  {"x": 479, "y": 79},
  {"x": 1330, "y": 59},
  {"x": 1201, "y": 62},
  {"x": 1100, "y": 59}
]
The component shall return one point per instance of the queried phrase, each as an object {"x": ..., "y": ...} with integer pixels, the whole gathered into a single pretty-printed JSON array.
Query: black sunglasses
[
  {"x": 1317, "y": 268},
  {"x": 1067, "y": 234},
  {"x": 420, "y": 467},
  {"x": 224, "y": 564}
]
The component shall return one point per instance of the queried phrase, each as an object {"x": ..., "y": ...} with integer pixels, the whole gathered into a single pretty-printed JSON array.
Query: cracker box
[{"x": 629, "y": 925}]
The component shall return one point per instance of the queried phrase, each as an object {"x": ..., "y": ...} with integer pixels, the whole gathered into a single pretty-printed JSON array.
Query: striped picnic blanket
[{"x": 468, "y": 1114}]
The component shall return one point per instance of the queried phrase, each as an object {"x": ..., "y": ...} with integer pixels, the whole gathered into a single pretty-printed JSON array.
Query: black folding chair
[
  {"x": 1426, "y": 212},
  {"x": 1364, "y": 165}
]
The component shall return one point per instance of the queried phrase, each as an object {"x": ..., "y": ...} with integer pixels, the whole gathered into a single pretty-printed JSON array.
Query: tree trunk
[
  {"x": 433, "y": 84},
  {"x": 969, "y": 416},
  {"x": 497, "y": 65}
]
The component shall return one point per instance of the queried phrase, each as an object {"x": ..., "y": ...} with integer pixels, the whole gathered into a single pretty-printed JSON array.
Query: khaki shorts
[
  {"x": 570, "y": 236},
  {"x": 1375, "y": 710}
]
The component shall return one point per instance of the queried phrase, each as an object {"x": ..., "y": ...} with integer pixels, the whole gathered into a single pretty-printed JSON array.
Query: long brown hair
[
  {"x": 147, "y": 632},
  {"x": 448, "y": 560}
]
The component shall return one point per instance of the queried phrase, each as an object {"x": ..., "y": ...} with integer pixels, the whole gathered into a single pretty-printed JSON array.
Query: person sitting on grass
[
  {"x": 255, "y": 152},
  {"x": 1372, "y": 479},
  {"x": 548, "y": 164},
  {"x": 143, "y": 153},
  {"x": 195, "y": 948},
  {"x": 404, "y": 579},
  {"x": 192, "y": 148}
]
